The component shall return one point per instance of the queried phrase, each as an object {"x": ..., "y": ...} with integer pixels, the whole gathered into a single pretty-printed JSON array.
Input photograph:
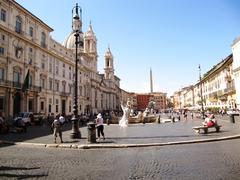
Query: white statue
[{"x": 126, "y": 111}]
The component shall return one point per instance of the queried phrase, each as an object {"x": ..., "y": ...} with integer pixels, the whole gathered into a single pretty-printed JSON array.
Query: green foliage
[{"x": 213, "y": 109}]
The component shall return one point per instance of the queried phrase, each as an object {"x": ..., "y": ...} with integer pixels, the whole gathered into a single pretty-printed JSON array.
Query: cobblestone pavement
[
  {"x": 133, "y": 134},
  {"x": 215, "y": 160}
]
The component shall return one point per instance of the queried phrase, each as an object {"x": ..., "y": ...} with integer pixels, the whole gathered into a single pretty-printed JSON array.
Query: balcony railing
[
  {"x": 18, "y": 85},
  {"x": 63, "y": 93}
]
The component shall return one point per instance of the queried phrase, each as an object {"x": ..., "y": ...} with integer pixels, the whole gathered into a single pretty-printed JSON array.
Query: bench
[{"x": 205, "y": 128}]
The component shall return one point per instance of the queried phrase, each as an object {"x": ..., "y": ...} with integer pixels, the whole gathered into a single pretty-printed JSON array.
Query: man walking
[{"x": 57, "y": 129}]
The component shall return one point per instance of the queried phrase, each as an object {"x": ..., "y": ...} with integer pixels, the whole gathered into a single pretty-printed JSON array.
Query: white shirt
[
  {"x": 61, "y": 119},
  {"x": 99, "y": 121}
]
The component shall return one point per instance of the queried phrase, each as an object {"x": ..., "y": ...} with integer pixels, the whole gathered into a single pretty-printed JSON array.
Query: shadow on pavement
[
  {"x": 32, "y": 133},
  {"x": 4, "y": 172}
]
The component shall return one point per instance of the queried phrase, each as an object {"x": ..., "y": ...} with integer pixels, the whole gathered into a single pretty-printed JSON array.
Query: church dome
[{"x": 69, "y": 42}]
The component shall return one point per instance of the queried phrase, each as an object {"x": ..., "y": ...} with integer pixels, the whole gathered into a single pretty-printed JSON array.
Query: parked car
[
  {"x": 38, "y": 118},
  {"x": 27, "y": 117}
]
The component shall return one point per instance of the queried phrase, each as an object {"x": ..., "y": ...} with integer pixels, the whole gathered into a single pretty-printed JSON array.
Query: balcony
[
  {"x": 43, "y": 45},
  {"x": 18, "y": 30},
  {"x": 18, "y": 85},
  {"x": 65, "y": 94},
  {"x": 230, "y": 90}
]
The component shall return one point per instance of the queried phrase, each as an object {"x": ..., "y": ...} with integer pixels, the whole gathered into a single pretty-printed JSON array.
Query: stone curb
[{"x": 102, "y": 146}]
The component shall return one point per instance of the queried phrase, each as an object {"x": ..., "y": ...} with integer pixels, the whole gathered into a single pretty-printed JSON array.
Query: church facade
[{"x": 37, "y": 73}]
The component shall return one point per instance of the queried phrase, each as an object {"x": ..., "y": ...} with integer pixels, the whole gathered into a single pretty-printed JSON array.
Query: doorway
[{"x": 16, "y": 104}]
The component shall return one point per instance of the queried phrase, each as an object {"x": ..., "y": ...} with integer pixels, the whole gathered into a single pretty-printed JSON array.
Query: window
[
  {"x": 70, "y": 88},
  {"x": 16, "y": 77},
  {"x": 1, "y": 51},
  {"x": 30, "y": 80},
  {"x": 3, "y": 37},
  {"x": 108, "y": 64},
  {"x": 56, "y": 86},
  {"x": 63, "y": 71},
  {"x": 2, "y": 104},
  {"x": 43, "y": 64},
  {"x": 42, "y": 105},
  {"x": 18, "y": 27},
  {"x": 3, "y": 15},
  {"x": 1, "y": 74},
  {"x": 69, "y": 73},
  {"x": 50, "y": 67},
  {"x": 31, "y": 31},
  {"x": 70, "y": 107},
  {"x": 64, "y": 86},
  {"x": 80, "y": 89},
  {"x": 50, "y": 84},
  {"x": 42, "y": 81},
  {"x": 30, "y": 105},
  {"x": 57, "y": 70},
  {"x": 57, "y": 105},
  {"x": 43, "y": 40},
  {"x": 49, "y": 108}
]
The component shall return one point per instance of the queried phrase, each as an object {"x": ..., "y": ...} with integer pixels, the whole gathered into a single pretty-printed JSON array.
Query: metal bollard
[
  {"x": 232, "y": 119},
  {"x": 159, "y": 119},
  {"x": 91, "y": 132},
  {"x": 178, "y": 118}
]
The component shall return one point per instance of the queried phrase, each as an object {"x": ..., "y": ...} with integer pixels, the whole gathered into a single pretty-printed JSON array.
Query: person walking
[
  {"x": 57, "y": 129},
  {"x": 100, "y": 127},
  {"x": 62, "y": 119}
]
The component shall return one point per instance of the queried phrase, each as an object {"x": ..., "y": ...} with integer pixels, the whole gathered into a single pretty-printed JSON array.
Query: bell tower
[{"x": 109, "y": 69}]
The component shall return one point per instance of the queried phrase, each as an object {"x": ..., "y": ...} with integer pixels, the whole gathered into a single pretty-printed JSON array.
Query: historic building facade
[
  {"x": 217, "y": 89},
  {"x": 236, "y": 68},
  {"x": 37, "y": 72},
  {"x": 140, "y": 100}
]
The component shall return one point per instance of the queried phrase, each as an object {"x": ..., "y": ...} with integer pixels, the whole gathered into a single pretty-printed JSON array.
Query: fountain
[{"x": 126, "y": 112}]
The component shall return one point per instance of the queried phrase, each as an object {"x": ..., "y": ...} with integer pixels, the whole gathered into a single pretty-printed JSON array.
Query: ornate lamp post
[
  {"x": 201, "y": 96},
  {"x": 76, "y": 26}
]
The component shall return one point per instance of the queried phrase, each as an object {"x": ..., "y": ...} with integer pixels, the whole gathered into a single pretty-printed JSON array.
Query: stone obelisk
[{"x": 151, "y": 81}]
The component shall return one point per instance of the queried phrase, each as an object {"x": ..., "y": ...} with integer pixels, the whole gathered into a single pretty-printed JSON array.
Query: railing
[
  {"x": 18, "y": 85},
  {"x": 229, "y": 89},
  {"x": 63, "y": 93}
]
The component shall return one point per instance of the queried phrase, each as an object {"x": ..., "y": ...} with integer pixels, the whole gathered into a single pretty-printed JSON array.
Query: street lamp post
[
  {"x": 201, "y": 96},
  {"x": 76, "y": 134}
]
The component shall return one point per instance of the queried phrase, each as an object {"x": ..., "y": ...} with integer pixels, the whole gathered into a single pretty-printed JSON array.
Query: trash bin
[
  {"x": 232, "y": 120},
  {"x": 91, "y": 132}
]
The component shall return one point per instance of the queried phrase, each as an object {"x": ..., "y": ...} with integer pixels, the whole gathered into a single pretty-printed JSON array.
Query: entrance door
[
  {"x": 16, "y": 104},
  {"x": 63, "y": 106}
]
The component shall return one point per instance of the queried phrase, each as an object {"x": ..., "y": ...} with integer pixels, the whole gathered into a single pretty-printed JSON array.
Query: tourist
[
  {"x": 100, "y": 127},
  {"x": 57, "y": 129},
  {"x": 210, "y": 121},
  {"x": 62, "y": 119}
]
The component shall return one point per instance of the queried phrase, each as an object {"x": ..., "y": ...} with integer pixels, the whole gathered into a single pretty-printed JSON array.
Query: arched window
[
  {"x": 43, "y": 40},
  {"x": 18, "y": 27}
]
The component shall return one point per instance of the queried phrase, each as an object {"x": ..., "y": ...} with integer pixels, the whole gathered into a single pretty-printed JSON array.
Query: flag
[{"x": 26, "y": 82}]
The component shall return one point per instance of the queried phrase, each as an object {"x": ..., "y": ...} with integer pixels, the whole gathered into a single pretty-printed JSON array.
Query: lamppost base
[{"x": 75, "y": 135}]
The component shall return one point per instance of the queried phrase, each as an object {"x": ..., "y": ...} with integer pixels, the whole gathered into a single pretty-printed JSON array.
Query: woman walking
[{"x": 100, "y": 127}]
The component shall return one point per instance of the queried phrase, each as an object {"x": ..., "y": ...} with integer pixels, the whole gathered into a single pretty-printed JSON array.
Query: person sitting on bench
[{"x": 210, "y": 121}]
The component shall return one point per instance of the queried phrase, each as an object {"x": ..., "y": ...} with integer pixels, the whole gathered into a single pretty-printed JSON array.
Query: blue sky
[{"x": 170, "y": 36}]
